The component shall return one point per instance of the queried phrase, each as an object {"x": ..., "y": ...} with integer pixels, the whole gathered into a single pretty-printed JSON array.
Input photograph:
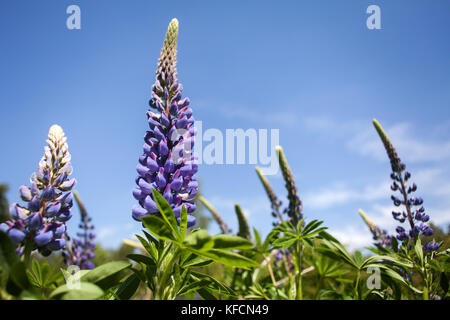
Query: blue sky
[{"x": 309, "y": 68}]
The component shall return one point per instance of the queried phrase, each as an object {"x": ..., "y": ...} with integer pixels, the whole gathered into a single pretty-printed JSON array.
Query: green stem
[
  {"x": 358, "y": 276},
  {"x": 298, "y": 282},
  {"x": 166, "y": 274},
  {"x": 426, "y": 286},
  {"x": 27, "y": 253}
]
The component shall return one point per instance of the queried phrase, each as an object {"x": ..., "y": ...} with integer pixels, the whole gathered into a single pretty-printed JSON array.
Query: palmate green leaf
[
  {"x": 159, "y": 228},
  {"x": 376, "y": 259},
  {"x": 206, "y": 294},
  {"x": 338, "y": 252},
  {"x": 149, "y": 247},
  {"x": 183, "y": 222},
  {"x": 196, "y": 261},
  {"x": 37, "y": 273},
  {"x": 128, "y": 288},
  {"x": 358, "y": 258},
  {"x": 419, "y": 251},
  {"x": 86, "y": 291},
  {"x": 228, "y": 242},
  {"x": 142, "y": 259},
  {"x": 257, "y": 239},
  {"x": 397, "y": 277},
  {"x": 218, "y": 286},
  {"x": 311, "y": 226},
  {"x": 285, "y": 242},
  {"x": 166, "y": 212},
  {"x": 107, "y": 275},
  {"x": 227, "y": 258},
  {"x": 199, "y": 240},
  {"x": 194, "y": 286}
]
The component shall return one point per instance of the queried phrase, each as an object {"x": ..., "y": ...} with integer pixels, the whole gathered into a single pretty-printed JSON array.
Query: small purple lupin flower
[
  {"x": 41, "y": 223},
  {"x": 81, "y": 252},
  {"x": 414, "y": 211},
  {"x": 167, "y": 164}
]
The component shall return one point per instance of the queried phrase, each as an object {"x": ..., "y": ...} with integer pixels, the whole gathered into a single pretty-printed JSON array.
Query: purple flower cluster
[
  {"x": 280, "y": 255},
  {"x": 167, "y": 164},
  {"x": 81, "y": 252},
  {"x": 413, "y": 211},
  {"x": 41, "y": 222}
]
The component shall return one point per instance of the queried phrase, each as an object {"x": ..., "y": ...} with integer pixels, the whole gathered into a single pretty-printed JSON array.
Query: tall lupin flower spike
[
  {"x": 167, "y": 164},
  {"x": 274, "y": 202},
  {"x": 381, "y": 236},
  {"x": 415, "y": 212},
  {"x": 294, "y": 210},
  {"x": 40, "y": 224},
  {"x": 81, "y": 252}
]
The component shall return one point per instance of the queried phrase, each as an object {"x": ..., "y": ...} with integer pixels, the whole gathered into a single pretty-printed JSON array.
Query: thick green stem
[
  {"x": 298, "y": 277},
  {"x": 27, "y": 253},
  {"x": 166, "y": 274}
]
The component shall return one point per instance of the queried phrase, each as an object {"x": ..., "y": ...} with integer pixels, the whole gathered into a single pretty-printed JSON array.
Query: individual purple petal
[
  {"x": 160, "y": 179},
  {"x": 190, "y": 221},
  {"x": 138, "y": 212},
  {"x": 48, "y": 193},
  {"x": 25, "y": 193},
  {"x": 34, "y": 221},
  {"x": 150, "y": 205},
  {"x": 68, "y": 185},
  {"x": 43, "y": 238},
  {"x": 53, "y": 209},
  {"x": 56, "y": 244}
]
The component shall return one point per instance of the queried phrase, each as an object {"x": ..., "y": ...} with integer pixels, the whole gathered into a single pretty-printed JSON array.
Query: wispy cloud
[
  {"x": 408, "y": 142},
  {"x": 340, "y": 194},
  {"x": 414, "y": 142}
]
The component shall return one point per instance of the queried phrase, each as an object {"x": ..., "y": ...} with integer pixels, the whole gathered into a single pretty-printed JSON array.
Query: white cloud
[
  {"x": 339, "y": 194},
  {"x": 106, "y": 232},
  {"x": 352, "y": 237},
  {"x": 414, "y": 143}
]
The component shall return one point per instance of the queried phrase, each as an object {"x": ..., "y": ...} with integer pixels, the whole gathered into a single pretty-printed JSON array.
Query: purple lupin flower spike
[
  {"x": 414, "y": 211},
  {"x": 167, "y": 164},
  {"x": 41, "y": 222},
  {"x": 81, "y": 252}
]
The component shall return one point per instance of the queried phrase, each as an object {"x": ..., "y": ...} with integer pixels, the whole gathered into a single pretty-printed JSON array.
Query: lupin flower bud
[
  {"x": 380, "y": 236},
  {"x": 400, "y": 178},
  {"x": 295, "y": 204},
  {"x": 42, "y": 219},
  {"x": 81, "y": 251},
  {"x": 274, "y": 202},
  {"x": 167, "y": 164}
]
